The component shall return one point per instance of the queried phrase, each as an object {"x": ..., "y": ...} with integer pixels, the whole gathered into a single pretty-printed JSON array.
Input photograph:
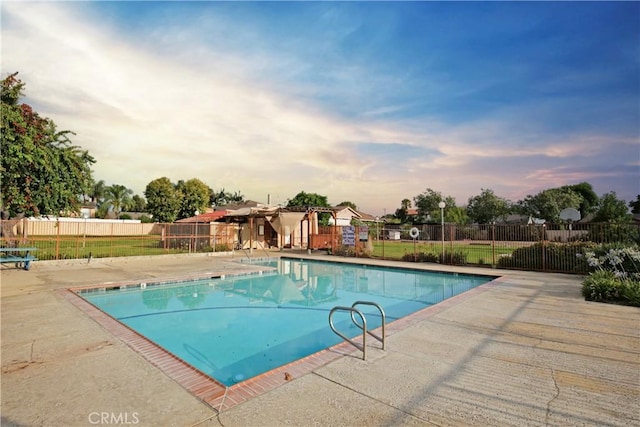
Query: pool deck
[{"x": 524, "y": 350}]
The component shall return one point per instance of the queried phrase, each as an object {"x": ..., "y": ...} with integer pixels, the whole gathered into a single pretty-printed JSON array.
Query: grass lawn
[
  {"x": 73, "y": 247},
  {"x": 475, "y": 253}
]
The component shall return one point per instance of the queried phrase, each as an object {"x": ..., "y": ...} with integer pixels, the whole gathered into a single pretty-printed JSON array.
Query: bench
[{"x": 21, "y": 256}]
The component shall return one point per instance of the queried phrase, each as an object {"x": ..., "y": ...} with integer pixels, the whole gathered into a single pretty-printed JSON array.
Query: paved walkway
[{"x": 523, "y": 350}]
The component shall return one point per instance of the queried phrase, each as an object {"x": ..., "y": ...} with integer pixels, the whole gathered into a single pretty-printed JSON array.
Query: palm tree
[
  {"x": 97, "y": 191},
  {"x": 119, "y": 197}
]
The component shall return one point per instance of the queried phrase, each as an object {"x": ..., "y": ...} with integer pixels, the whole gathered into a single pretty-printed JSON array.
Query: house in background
[{"x": 342, "y": 215}]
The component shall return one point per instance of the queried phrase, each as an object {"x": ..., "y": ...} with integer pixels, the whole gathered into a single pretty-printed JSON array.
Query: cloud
[{"x": 234, "y": 109}]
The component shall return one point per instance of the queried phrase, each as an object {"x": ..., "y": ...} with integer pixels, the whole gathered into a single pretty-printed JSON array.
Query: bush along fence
[
  {"x": 614, "y": 276},
  {"x": 548, "y": 248}
]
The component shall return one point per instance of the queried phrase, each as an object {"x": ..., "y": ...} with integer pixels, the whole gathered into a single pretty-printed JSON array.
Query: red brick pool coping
[{"x": 217, "y": 395}]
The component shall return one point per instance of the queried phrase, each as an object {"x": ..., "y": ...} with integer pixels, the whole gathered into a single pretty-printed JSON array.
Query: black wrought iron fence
[{"x": 538, "y": 247}]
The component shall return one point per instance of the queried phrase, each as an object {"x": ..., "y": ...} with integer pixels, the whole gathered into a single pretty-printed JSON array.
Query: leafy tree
[
  {"x": 427, "y": 204},
  {"x": 42, "y": 173},
  {"x": 548, "y": 203},
  {"x": 612, "y": 209},
  {"x": 456, "y": 215},
  {"x": 195, "y": 196},
  {"x": 402, "y": 212},
  {"x": 312, "y": 200},
  {"x": 590, "y": 199},
  {"x": 118, "y": 197},
  {"x": 308, "y": 199},
  {"x": 138, "y": 203},
  {"x": 635, "y": 205},
  {"x": 163, "y": 200},
  {"x": 348, "y": 204},
  {"x": 486, "y": 207}
]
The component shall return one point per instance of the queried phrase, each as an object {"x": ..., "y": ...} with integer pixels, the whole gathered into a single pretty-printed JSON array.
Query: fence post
[
  {"x": 78, "y": 237},
  {"x": 493, "y": 244},
  {"x": 58, "y": 238},
  {"x": 451, "y": 229},
  {"x": 543, "y": 249}
]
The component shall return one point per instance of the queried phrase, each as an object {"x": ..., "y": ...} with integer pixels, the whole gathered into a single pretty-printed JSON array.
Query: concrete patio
[{"x": 523, "y": 350}]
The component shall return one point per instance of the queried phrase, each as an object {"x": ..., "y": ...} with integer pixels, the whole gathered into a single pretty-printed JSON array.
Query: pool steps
[{"x": 353, "y": 311}]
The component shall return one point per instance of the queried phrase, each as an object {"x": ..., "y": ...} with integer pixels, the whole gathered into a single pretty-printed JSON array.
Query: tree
[
  {"x": 612, "y": 209},
  {"x": 486, "y": 207},
  {"x": 163, "y": 200},
  {"x": 195, "y": 196},
  {"x": 456, "y": 215},
  {"x": 548, "y": 203},
  {"x": 309, "y": 200},
  {"x": 590, "y": 199},
  {"x": 303, "y": 199},
  {"x": 138, "y": 203},
  {"x": 42, "y": 173},
  {"x": 402, "y": 212},
  {"x": 635, "y": 205},
  {"x": 118, "y": 197},
  {"x": 428, "y": 205},
  {"x": 97, "y": 191}
]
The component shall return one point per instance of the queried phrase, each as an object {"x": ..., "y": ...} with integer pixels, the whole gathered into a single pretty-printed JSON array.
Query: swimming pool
[{"x": 235, "y": 328}]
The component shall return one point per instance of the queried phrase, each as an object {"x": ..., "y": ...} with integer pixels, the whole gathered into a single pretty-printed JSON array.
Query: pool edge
[{"x": 214, "y": 393}]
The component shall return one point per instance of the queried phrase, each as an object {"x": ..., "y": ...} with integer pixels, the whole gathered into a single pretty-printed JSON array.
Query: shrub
[
  {"x": 145, "y": 219},
  {"x": 222, "y": 247},
  {"x": 548, "y": 256},
  {"x": 420, "y": 257},
  {"x": 623, "y": 233},
  {"x": 616, "y": 275},
  {"x": 453, "y": 258},
  {"x": 348, "y": 251},
  {"x": 623, "y": 261},
  {"x": 631, "y": 292},
  {"x": 602, "y": 286}
]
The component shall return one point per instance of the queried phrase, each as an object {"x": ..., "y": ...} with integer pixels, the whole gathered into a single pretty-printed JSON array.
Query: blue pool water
[{"x": 238, "y": 327}]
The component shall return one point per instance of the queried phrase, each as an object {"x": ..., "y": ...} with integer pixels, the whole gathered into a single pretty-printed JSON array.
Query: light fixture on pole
[
  {"x": 195, "y": 246},
  {"x": 442, "y": 205},
  {"x": 85, "y": 215}
]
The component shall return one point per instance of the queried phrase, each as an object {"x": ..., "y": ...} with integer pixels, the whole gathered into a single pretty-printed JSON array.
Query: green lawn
[
  {"x": 475, "y": 253},
  {"x": 73, "y": 247},
  {"x": 79, "y": 247}
]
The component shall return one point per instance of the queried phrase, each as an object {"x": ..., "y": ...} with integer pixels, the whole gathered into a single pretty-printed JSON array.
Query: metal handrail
[
  {"x": 382, "y": 315},
  {"x": 352, "y": 310}
]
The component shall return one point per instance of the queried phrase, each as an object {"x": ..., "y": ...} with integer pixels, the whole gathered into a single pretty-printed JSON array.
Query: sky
[{"x": 368, "y": 102}]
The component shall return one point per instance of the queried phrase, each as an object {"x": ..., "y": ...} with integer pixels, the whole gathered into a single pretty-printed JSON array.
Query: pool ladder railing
[{"x": 353, "y": 311}]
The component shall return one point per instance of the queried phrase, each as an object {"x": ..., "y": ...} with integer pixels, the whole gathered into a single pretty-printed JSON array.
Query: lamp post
[
  {"x": 84, "y": 237},
  {"x": 377, "y": 235},
  {"x": 442, "y": 205},
  {"x": 195, "y": 246}
]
